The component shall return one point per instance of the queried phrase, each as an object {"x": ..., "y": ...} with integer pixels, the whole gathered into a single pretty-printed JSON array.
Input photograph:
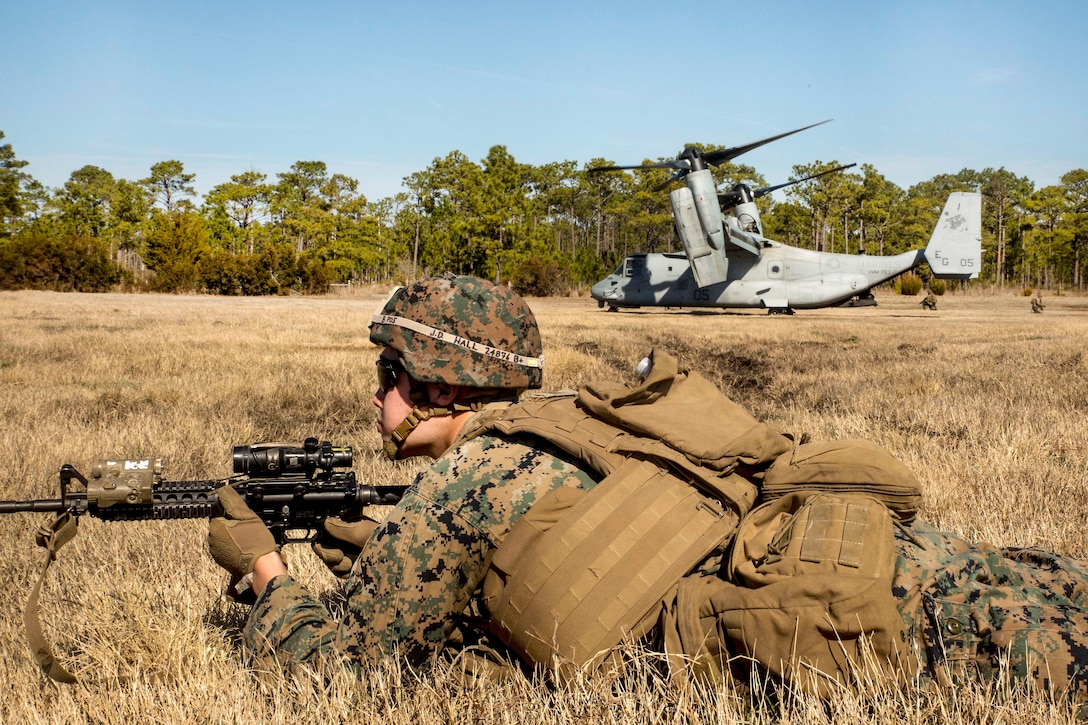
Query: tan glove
[
  {"x": 339, "y": 542},
  {"x": 238, "y": 538}
]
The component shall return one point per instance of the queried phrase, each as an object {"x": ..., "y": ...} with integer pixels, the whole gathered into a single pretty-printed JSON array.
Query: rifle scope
[{"x": 286, "y": 459}]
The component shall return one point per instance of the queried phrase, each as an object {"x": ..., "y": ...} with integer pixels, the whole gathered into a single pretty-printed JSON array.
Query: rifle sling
[{"x": 52, "y": 537}]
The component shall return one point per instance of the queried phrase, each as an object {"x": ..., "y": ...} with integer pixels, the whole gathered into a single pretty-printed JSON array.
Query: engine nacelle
[
  {"x": 748, "y": 220},
  {"x": 705, "y": 196},
  {"x": 708, "y": 264}
]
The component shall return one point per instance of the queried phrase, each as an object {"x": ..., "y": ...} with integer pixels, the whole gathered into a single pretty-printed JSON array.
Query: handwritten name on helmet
[{"x": 448, "y": 337}]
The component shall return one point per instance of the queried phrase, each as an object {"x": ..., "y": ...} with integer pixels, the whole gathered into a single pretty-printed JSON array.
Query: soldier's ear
[{"x": 443, "y": 393}]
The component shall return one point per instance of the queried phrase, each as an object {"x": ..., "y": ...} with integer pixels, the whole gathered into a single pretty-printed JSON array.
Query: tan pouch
[
  {"x": 812, "y": 577},
  {"x": 813, "y": 533},
  {"x": 846, "y": 466}
]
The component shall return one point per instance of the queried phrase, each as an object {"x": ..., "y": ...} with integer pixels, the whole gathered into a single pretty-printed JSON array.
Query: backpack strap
[{"x": 556, "y": 419}]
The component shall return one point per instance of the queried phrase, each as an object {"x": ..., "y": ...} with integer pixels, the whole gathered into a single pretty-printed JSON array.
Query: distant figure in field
[
  {"x": 1037, "y": 304},
  {"x": 930, "y": 302}
]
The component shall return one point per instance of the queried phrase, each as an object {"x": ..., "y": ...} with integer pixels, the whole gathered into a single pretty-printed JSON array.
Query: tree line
[{"x": 543, "y": 229}]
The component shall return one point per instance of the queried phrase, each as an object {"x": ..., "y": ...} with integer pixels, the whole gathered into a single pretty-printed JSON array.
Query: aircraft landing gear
[
  {"x": 863, "y": 300},
  {"x": 779, "y": 310}
]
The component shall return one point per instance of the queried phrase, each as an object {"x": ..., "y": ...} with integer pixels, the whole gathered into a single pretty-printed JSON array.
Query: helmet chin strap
[{"x": 418, "y": 415}]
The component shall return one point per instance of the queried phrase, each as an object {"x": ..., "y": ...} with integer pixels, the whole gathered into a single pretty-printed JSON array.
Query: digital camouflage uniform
[
  {"x": 422, "y": 566},
  {"x": 969, "y": 608}
]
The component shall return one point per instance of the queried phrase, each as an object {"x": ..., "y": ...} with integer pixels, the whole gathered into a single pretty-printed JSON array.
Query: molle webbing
[{"x": 578, "y": 589}]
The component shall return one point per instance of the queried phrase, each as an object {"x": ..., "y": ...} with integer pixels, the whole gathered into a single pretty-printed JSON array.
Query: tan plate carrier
[{"x": 582, "y": 571}]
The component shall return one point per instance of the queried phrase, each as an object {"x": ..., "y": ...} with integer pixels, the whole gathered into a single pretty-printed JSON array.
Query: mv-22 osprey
[{"x": 727, "y": 262}]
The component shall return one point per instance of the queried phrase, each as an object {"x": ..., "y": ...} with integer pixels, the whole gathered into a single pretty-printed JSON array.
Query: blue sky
[{"x": 379, "y": 90}]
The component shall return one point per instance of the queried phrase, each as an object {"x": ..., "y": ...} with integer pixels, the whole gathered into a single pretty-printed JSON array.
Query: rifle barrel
[{"x": 47, "y": 504}]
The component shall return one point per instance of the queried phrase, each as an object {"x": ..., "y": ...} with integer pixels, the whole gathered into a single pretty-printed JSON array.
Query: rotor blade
[
  {"x": 768, "y": 189},
  {"x": 681, "y": 164},
  {"x": 729, "y": 198},
  {"x": 722, "y": 155},
  {"x": 664, "y": 184}
]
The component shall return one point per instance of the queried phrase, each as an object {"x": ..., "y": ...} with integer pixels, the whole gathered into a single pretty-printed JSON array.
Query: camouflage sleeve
[
  {"x": 421, "y": 567},
  {"x": 977, "y": 611},
  {"x": 288, "y": 624}
]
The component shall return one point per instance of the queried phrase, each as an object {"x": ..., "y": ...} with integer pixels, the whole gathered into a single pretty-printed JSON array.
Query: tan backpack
[
  {"x": 811, "y": 598},
  {"x": 807, "y": 587}
]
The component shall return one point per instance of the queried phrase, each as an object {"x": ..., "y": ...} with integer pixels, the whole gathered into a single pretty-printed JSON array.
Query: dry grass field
[{"x": 986, "y": 401}]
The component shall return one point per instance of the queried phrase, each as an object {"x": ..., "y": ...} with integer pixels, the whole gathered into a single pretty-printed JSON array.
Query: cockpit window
[{"x": 634, "y": 266}]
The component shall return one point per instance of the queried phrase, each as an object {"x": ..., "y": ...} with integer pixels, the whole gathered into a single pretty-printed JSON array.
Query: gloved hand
[
  {"x": 339, "y": 542},
  {"x": 236, "y": 540}
]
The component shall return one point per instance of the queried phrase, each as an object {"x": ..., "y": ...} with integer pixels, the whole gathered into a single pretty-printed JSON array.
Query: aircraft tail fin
[{"x": 955, "y": 247}]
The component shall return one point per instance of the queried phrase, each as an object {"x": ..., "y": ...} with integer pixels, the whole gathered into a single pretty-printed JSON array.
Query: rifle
[{"x": 292, "y": 488}]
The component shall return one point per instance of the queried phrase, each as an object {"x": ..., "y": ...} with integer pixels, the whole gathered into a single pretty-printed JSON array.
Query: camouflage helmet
[{"x": 462, "y": 331}]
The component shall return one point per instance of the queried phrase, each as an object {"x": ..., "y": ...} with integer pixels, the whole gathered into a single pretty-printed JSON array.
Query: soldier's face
[
  {"x": 392, "y": 396},
  {"x": 393, "y": 399}
]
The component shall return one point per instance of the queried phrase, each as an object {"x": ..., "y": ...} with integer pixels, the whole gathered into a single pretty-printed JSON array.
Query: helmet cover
[{"x": 462, "y": 331}]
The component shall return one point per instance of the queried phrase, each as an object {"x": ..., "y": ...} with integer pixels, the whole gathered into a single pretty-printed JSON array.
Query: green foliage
[
  {"x": 587, "y": 267},
  {"x": 222, "y": 273},
  {"x": 789, "y": 223},
  {"x": 536, "y": 276},
  {"x": 908, "y": 284},
  {"x": 84, "y": 201},
  {"x": 263, "y": 274},
  {"x": 1027, "y": 292},
  {"x": 551, "y": 226},
  {"x": 129, "y": 209},
  {"x": 937, "y": 286},
  {"x": 12, "y": 179},
  {"x": 168, "y": 183},
  {"x": 222, "y": 232},
  {"x": 1004, "y": 195},
  {"x": 176, "y": 241},
  {"x": 310, "y": 276},
  {"x": 833, "y": 201},
  {"x": 277, "y": 270},
  {"x": 36, "y": 260},
  {"x": 878, "y": 202},
  {"x": 243, "y": 198}
]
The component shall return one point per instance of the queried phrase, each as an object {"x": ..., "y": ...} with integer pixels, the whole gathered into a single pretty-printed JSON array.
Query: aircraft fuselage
[{"x": 780, "y": 278}]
